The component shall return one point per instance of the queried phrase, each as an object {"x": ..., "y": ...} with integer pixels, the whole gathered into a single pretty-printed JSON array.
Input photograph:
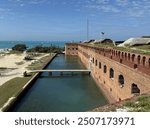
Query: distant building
[
  {"x": 89, "y": 41},
  {"x": 104, "y": 41},
  {"x": 136, "y": 42},
  {"x": 118, "y": 42}
]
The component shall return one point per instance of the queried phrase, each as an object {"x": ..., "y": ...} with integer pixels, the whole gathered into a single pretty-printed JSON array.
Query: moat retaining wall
[
  {"x": 14, "y": 100},
  {"x": 119, "y": 74}
]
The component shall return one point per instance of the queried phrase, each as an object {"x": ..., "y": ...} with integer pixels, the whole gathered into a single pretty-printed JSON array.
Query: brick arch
[
  {"x": 133, "y": 57},
  {"x": 121, "y": 80},
  {"x": 116, "y": 53},
  {"x": 129, "y": 56},
  {"x": 125, "y": 56},
  {"x": 149, "y": 62},
  {"x": 95, "y": 62},
  {"x": 138, "y": 59},
  {"x": 135, "y": 89},
  {"x": 119, "y": 54},
  {"x": 111, "y": 73},
  {"x": 144, "y": 60},
  {"x": 105, "y": 69},
  {"x": 100, "y": 65},
  {"x": 122, "y": 55}
]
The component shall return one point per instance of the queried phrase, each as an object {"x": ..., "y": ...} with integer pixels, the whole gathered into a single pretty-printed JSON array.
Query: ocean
[{"x": 30, "y": 44}]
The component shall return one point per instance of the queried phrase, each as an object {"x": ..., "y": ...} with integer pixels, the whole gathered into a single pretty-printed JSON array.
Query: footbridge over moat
[{"x": 62, "y": 71}]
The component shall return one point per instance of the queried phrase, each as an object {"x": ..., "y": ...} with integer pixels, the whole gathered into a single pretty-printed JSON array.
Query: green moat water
[{"x": 62, "y": 93}]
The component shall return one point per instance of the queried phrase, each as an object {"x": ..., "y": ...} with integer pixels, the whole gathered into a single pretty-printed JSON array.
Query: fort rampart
[{"x": 120, "y": 74}]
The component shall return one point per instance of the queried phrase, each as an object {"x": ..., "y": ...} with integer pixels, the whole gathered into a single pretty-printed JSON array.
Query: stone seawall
[
  {"x": 12, "y": 101},
  {"x": 120, "y": 75}
]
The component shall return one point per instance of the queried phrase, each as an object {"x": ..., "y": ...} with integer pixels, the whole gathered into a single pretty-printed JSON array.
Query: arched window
[
  {"x": 116, "y": 53},
  {"x": 100, "y": 65},
  {"x": 133, "y": 56},
  {"x": 111, "y": 73},
  {"x": 138, "y": 59},
  {"x": 134, "y": 89},
  {"x": 119, "y": 54},
  {"x": 105, "y": 68},
  {"x": 122, "y": 55},
  {"x": 149, "y": 62},
  {"x": 128, "y": 56},
  {"x": 125, "y": 56},
  {"x": 144, "y": 60},
  {"x": 121, "y": 80},
  {"x": 95, "y": 62}
]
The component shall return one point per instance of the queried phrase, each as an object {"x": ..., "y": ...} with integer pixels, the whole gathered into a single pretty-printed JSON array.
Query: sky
[{"x": 66, "y": 20}]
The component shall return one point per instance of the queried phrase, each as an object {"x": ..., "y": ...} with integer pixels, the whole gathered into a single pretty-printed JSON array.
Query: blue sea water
[{"x": 30, "y": 44}]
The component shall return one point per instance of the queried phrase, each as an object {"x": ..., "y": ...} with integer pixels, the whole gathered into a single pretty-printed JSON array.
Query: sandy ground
[{"x": 10, "y": 61}]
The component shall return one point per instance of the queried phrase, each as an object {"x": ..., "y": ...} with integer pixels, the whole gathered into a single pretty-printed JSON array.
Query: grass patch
[
  {"x": 143, "y": 49},
  {"x": 11, "y": 88},
  {"x": 142, "y": 104},
  {"x": 15, "y": 52},
  {"x": 40, "y": 63},
  {"x": 130, "y": 104}
]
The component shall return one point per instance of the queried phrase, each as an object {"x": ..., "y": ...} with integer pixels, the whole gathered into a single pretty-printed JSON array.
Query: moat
[{"x": 65, "y": 93}]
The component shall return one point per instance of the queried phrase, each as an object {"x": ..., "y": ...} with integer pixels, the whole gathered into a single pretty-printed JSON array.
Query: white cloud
[
  {"x": 133, "y": 8},
  {"x": 26, "y": 2}
]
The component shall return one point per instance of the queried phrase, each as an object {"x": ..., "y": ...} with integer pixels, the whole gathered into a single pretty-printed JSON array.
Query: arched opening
[
  {"x": 149, "y": 62},
  {"x": 138, "y": 59},
  {"x": 111, "y": 73},
  {"x": 105, "y": 68},
  {"x": 95, "y": 62},
  {"x": 100, "y": 65},
  {"x": 122, "y": 55},
  {"x": 144, "y": 60},
  {"x": 133, "y": 56},
  {"x": 129, "y": 56},
  {"x": 121, "y": 80},
  {"x": 116, "y": 53},
  {"x": 125, "y": 56},
  {"x": 119, "y": 54},
  {"x": 135, "y": 89}
]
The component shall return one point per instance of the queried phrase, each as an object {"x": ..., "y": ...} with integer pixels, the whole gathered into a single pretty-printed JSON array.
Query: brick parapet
[{"x": 133, "y": 67}]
